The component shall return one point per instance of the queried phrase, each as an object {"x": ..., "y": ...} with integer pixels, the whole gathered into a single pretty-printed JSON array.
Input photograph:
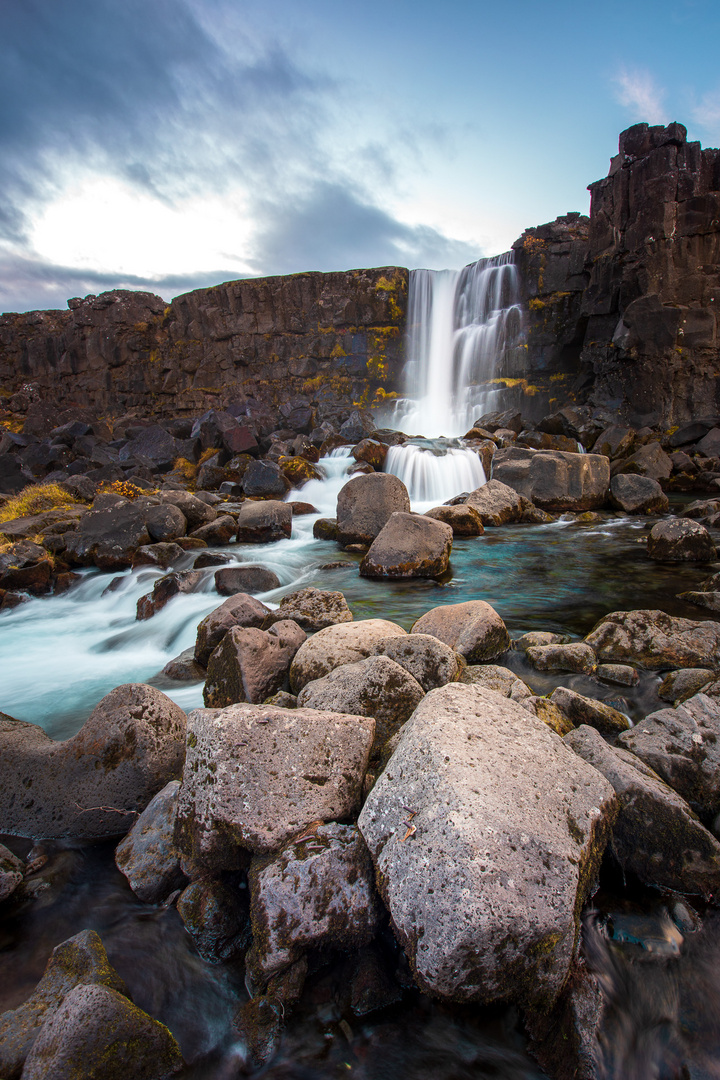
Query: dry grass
[{"x": 36, "y": 499}]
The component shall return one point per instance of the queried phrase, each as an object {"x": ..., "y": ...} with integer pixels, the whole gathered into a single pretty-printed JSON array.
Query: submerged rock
[
  {"x": 96, "y": 783},
  {"x": 409, "y": 546},
  {"x": 473, "y": 629},
  {"x": 654, "y": 639},
  {"x": 335, "y": 645},
  {"x": 147, "y": 856},
  {"x": 486, "y": 839}
]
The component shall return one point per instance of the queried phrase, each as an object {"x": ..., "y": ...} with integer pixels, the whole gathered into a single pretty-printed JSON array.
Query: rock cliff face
[{"x": 330, "y": 338}]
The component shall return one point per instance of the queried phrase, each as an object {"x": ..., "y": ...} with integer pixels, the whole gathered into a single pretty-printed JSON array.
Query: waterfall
[
  {"x": 434, "y": 472},
  {"x": 460, "y": 326}
]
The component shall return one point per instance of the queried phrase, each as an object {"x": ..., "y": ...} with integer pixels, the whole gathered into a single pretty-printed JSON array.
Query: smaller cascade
[{"x": 435, "y": 470}]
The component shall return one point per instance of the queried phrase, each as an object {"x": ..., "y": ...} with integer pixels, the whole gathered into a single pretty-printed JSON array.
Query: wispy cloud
[
  {"x": 637, "y": 91},
  {"x": 707, "y": 113}
]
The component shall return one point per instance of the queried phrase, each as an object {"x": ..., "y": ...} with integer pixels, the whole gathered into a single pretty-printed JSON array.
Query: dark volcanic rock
[
  {"x": 365, "y": 504},
  {"x": 554, "y": 480},
  {"x": 638, "y": 495},
  {"x": 409, "y": 546},
  {"x": 681, "y": 540},
  {"x": 263, "y": 522},
  {"x": 250, "y": 579}
]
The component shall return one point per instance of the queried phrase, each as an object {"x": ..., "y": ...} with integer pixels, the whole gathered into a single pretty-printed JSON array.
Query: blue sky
[{"x": 171, "y": 144}]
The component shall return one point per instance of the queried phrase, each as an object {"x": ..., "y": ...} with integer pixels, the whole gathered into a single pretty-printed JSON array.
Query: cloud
[
  {"x": 638, "y": 91},
  {"x": 707, "y": 113}
]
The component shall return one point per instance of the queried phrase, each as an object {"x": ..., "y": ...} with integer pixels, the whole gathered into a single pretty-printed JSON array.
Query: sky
[{"x": 168, "y": 145}]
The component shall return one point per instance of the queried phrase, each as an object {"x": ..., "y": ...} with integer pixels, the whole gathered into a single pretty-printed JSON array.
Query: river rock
[
  {"x": 648, "y": 460},
  {"x": 325, "y": 529},
  {"x": 96, "y": 783},
  {"x": 681, "y": 540},
  {"x": 375, "y": 687},
  {"x": 317, "y": 892},
  {"x": 656, "y": 836},
  {"x": 585, "y": 710},
  {"x": 184, "y": 667},
  {"x": 160, "y": 555},
  {"x": 708, "y": 600},
  {"x": 549, "y": 713},
  {"x": 239, "y": 610},
  {"x": 409, "y": 546},
  {"x": 215, "y": 915},
  {"x": 554, "y": 479},
  {"x": 251, "y": 664},
  {"x": 618, "y": 674},
  {"x": 247, "y": 579},
  {"x": 194, "y": 510},
  {"x": 655, "y": 640},
  {"x": 365, "y": 505},
  {"x": 25, "y": 566},
  {"x": 429, "y": 660},
  {"x": 81, "y": 960},
  {"x": 108, "y": 538},
  {"x": 539, "y": 637},
  {"x": 496, "y": 503},
  {"x": 486, "y": 839},
  {"x": 147, "y": 856},
  {"x": 500, "y": 679},
  {"x": 682, "y": 746},
  {"x": 264, "y": 522},
  {"x": 344, "y": 643},
  {"x": 11, "y": 872},
  {"x": 682, "y": 684},
  {"x": 463, "y": 520},
  {"x": 264, "y": 479},
  {"x": 274, "y": 771},
  {"x": 573, "y": 657},
  {"x": 637, "y": 495},
  {"x": 614, "y": 442},
  {"x": 473, "y": 629},
  {"x": 165, "y": 588},
  {"x": 165, "y": 523},
  {"x": 312, "y": 608},
  {"x": 97, "y": 1032},
  {"x": 217, "y": 532}
]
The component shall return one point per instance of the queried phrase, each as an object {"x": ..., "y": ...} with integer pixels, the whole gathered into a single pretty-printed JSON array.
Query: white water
[
  {"x": 460, "y": 325},
  {"x": 434, "y": 474}
]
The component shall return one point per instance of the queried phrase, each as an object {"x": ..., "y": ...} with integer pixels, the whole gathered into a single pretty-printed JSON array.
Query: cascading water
[{"x": 433, "y": 472}]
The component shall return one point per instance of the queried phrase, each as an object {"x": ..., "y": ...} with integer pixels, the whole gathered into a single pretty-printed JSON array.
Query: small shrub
[
  {"x": 126, "y": 488},
  {"x": 35, "y": 499}
]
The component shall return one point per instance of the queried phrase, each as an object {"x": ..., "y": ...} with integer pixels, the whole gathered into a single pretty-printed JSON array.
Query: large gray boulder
[
  {"x": 656, "y": 836},
  {"x": 464, "y": 520},
  {"x": 147, "y": 856},
  {"x": 429, "y": 660},
  {"x": 682, "y": 746},
  {"x": 255, "y": 775},
  {"x": 251, "y": 664},
  {"x": 317, "y": 892},
  {"x": 264, "y": 522},
  {"x": 409, "y": 546},
  {"x": 98, "y": 1032},
  {"x": 637, "y": 495},
  {"x": 473, "y": 629},
  {"x": 681, "y": 540},
  {"x": 554, "y": 479},
  {"x": 335, "y": 645},
  {"x": 365, "y": 504},
  {"x": 109, "y": 538},
  {"x": 96, "y": 783},
  {"x": 496, "y": 503},
  {"x": 239, "y": 610},
  {"x": 486, "y": 837},
  {"x": 375, "y": 687},
  {"x": 81, "y": 960},
  {"x": 654, "y": 639}
]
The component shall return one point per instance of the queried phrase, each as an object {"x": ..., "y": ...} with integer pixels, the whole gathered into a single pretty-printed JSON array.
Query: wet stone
[{"x": 147, "y": 856}]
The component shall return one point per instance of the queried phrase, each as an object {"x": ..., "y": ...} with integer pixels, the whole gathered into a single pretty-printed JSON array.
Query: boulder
[
  {"x": 372, "y": 451},
  {"x": 463, "y": 520},
  {"x": 708, "y": 600},
  {"x": 264, "y": 522},
  {"x": 325, "y": 529},
  {"x": 81, "y": 960},
  {"x": 365, "y": 505},
  {"x": 97, "y": 1032},
  {"x": 655, "y": 640},
  {"x": 108, "y": 538},
  {"x": 215, "y": 915},
  {"x": 682, "y": 746},
  {"x": 247, "y": 579},
  {"x": 409, "y": 546},
  {"x": 312, "y": 608},
  {"x": 251, "y": 664},
  {"x": 155, "y": 444},
  {"x": 496, "y": 503},
  {"x": 96, "y": 783},
  {"x": 219, "y": 531},
  {"x": 165, "y": 588},
  {"x": 553, "y": 479},
  {"x": 549, "y": 713},
  {"x": 681, "y": 540},
  {"x": 25, "y": 566},
  {"x": 194, "y": 510},
  {"x": 319, "y": 892},
  {"x": 585, "y": 710},
  {"x": 497, "y": 678},
  {"x": 147, "y": 855},
  {"x": 165, "y": 523},
  {"x": 358, "y": 425},
  {"x": 473, "y": 629},
  {"x": 576, "y": 657},
  {"x": 239, "y": 610},
  {"x": 637, "y": 495},
  {"x": 344, "y": 643},
  {"x": 376, "y": 687},
  {"x": 274, "y": 771},
  {"x": 656, "y": 836},
  {"x": 682, "y": 684},
  {"x": 265, "y": 479},
  {"x": 426, "y": 658},
  {"x": 538, "y": 637},
  {"x": 486, "y": 839},
  {"x": 160, "y": 555},
  {"x": 649, "y": 460},
  {"x": 12, "y": 871},
  {"x": 618, "y": 674},
  {"x": 184, "y": 667}
]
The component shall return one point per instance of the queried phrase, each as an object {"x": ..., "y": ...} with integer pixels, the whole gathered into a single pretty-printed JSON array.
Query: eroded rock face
[
  {"x": 655, "y": 640},
  {"x": 335, "y": 645},
  {"x": 255, "y": 775},
  {"x": 486, "y": 838},
  {"x": 656, "y": 836},
  {"x": 96, "y": 783},
  {"x": 99, "y": 1032},
  {"x": 312, "y": 608},
  {"x": 409, "y": 546},
  {"x": 365, "y": 505},
  {"x": 473, "y": 629},
  {"x": 147, "y": 856},
  {"x": 681, "y": 540},
  {"x": 318, "y": 891},
  {"x": 251, "y": 664},
  {"x": 553, "y": 479}
]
